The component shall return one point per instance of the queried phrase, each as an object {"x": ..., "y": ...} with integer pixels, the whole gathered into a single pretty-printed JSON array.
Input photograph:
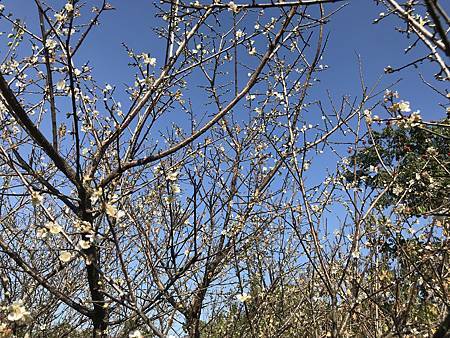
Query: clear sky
[{"x": 351, "y": 33}]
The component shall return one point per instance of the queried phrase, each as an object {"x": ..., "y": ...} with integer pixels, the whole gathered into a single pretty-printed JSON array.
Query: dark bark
[
  {"x": 443, "y": 330},
  {"x": 100, "y": 312}
]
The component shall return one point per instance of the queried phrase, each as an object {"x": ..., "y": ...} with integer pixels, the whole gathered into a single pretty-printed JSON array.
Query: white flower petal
[{"x": 65, "y": 256}]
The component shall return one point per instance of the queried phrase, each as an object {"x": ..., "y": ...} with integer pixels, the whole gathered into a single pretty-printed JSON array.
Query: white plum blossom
[
  {"x": 51, "y": 44},
  {"x": 397, "y": 190},
  {"x": 172, "y": 176},
  {"x": 96, "y": 194},
  {"x": 368, "y": 116},
  {"x": 41, "y": 233},
  {"x": 175, "y": 188},
  {"x": 17, "y": 311},
  {"x": 120, "y": 214},
  {"x": 84, "y": 244},
  {"x": 136, "y": 334},
  {"x": 243, "y": 297},
  {"x": 148, "y": 60},
  {"x": 54, "y": 228},
  {"x": 65, "y": 256},
  {"x": 415, "y": 119},
  {"x": 233, "y": 7},
  {"x": 60, "y": 16},
  {"x": 36, "y": 198},
  {"x": 61, "y": 85},
  {"x": 402, "y": 106},
  {"x": 239, "y": 34},
  {"x": 68, "y": 7},
  {"x": 110, "y": 210}
]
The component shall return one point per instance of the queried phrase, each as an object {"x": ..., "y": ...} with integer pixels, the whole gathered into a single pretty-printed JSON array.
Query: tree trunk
[{"x": 100, "y": 312}]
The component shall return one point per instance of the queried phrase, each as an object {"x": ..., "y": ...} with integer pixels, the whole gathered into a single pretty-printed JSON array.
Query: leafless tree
[{"x": 190, "y": 209}]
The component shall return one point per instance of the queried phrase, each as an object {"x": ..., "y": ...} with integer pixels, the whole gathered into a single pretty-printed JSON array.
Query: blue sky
[
  {"x": 351, "y": 33},
  {"x": 350, "y": 30}
]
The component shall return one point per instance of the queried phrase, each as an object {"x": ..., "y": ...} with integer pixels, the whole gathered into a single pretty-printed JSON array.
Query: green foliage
[{"x": 417, "y": 157}]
